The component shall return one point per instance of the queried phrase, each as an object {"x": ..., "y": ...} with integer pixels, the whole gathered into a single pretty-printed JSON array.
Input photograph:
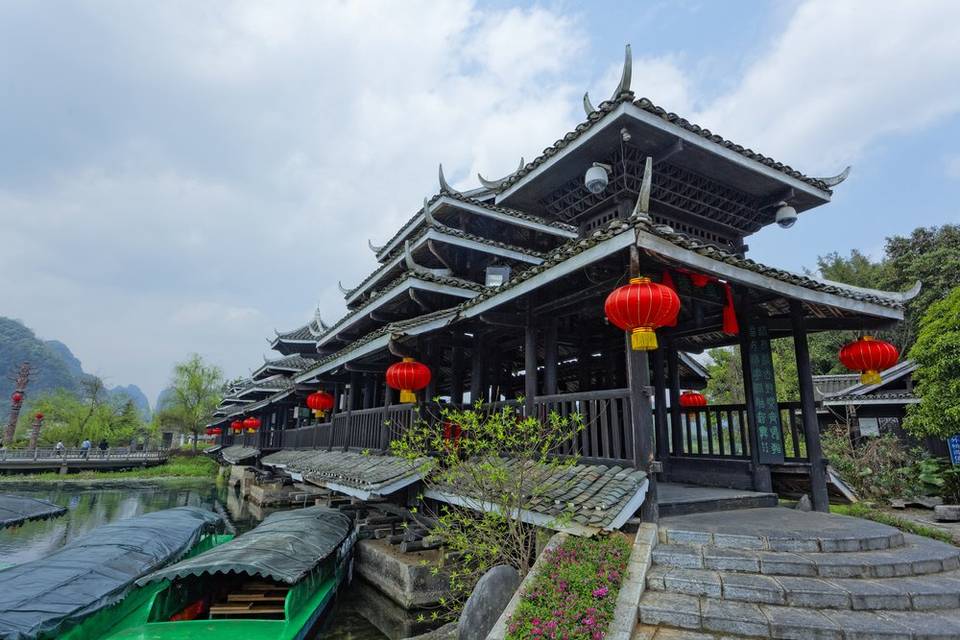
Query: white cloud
[
  {"x": 248, "y": 153},
  {"x": 843, "y": 75},
  {"x": 951, "y": 166}
]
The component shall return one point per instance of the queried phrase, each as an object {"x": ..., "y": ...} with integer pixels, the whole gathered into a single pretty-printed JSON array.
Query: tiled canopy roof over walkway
[
  {"x": 582, "y": 500},
  {"x": 355, "y": 474}
]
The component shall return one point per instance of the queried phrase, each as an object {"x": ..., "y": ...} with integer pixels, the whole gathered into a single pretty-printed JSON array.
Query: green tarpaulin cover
[
  {"x": 17, "y": 509},
  {"x": 284, "y": 548},
  {"x": 46, "y": 596}
]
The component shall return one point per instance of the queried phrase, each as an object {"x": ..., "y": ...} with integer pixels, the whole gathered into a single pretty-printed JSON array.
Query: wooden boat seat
[
  {"x": 263, "y": 586},
  {"x": 244, "y": 609},
  {"x": 261, "y": 596}
]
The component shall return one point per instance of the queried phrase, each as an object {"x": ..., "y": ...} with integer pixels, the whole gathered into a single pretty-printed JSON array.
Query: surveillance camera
[
  {"x": 596, "y": 178},
  {"x": 786, "y": 215}
]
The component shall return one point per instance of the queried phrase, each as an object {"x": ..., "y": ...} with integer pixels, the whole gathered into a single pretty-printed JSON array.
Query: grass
[
  {"x": 178, "y": 466},
  {"x": 860, "y": 510}
]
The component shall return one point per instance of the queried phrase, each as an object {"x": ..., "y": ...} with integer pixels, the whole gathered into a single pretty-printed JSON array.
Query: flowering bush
[{"x": 574, "y": 594}]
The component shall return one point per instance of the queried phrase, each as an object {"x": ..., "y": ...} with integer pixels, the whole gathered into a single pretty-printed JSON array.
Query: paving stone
[
  {"x": 678, "y": 634},
  {"x": 694, "y": 582},
  {"x": 676, "y": 555},
  {"x": 785, "y": 564},
  {"x": 655, "y": 577},
  {"x": 674, "y": 609},
  {"x": 722, "y": 559},
  {"x": 946, "y": 513},
  {"x": 793, "y": 623},
  {"x": 739, "y": 618},
  {"x": 793, "y": 544},
  {"x": 874, "y": 594},
  {"x": 840, "y": 545},
  {"x": 675, "y": 536},
  {"x": 925, "y": 625},
  {"x": 745, "y": 587},
  {"x": 867, "y": 625},
  {"x": 738, "y": 541},
  {"x": 813, "y": 592},
  {"x": 932, "y": 592}
]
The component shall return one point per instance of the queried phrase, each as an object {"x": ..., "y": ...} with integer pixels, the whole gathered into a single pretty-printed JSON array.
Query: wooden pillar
[
  {"x": 673, "y": 375},
  {"x": 551, "y": 356},
  {"x": 529, "y": 365},
  {"x": 477, "y": 367},
  {"x": 762, "y": 480},
  {"x": 430, "y": 353},
  {"x": 660, "y": 403},
  {"x": 369, "y": 388},
  {"x": 456, "y": 374},
  {"x": 638, "y": 381},
  {"x": 808, "y": 407}
]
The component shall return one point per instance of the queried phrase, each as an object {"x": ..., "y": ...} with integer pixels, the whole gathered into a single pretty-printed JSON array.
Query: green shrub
[{"x": 878, "y": 469}]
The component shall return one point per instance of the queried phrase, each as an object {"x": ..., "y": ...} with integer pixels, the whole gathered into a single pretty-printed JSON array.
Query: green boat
[
  {"x": 272, "y": 583},
  {"x": 80, "y": 591}
]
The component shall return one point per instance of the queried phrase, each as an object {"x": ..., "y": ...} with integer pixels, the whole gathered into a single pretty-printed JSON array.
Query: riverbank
[{"x": 178, "y": 467}]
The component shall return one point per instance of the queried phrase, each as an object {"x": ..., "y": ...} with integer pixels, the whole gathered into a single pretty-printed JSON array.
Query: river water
[{"x": 89, "y": 506}]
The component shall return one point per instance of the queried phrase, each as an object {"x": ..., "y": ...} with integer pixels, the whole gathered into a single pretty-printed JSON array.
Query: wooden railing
[
  {"x": 721, "y": 431},
  {"x": 117, "y": 454},
  {"x": 606, "y": 436}
]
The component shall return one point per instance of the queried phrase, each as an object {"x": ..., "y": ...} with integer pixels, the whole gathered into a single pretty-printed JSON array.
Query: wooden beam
[
  {"x": 660, "y": 403},
  {"x": 673, "y": 376},
  {"x": 638, "y": 379},
  {"x": 550, "y": 357},
  {"x": 762, "y": 481},
  {"x": 808, "y": 407},
  {"x": 530, "y": 363}
]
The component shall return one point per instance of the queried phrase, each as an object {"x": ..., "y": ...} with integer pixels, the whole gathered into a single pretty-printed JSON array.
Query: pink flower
[{"x": 600, "y": 592}]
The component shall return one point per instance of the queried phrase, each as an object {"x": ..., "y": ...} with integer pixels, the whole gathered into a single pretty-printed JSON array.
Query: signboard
[
  {"x": 954, "y": 443},
  {"x": 769, "y": 437}
]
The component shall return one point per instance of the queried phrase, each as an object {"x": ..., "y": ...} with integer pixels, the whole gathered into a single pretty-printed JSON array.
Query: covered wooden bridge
[{"x": 500, "y": 291}]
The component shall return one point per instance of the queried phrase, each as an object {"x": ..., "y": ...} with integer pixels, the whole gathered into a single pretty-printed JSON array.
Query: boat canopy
[
  {"x": 45, "y": 597},
  {"x": 17, "y": 509},
  {"x": 284, "y": 548}
]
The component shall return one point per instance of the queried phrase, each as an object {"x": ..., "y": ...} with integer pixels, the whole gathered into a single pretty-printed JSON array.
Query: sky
[{"x": 181, "y": 177}]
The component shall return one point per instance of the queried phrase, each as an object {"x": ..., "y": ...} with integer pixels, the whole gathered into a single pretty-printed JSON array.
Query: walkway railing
[
  {"x": 721, "y": 431},
  {"x": 116, "y": 454}
]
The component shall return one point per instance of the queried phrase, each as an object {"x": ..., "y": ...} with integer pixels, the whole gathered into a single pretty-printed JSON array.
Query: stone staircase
[{"x": 779, "y": 573}]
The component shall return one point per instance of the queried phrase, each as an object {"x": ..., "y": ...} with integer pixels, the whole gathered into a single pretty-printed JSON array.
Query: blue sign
[{"x": 954, "y": 444}]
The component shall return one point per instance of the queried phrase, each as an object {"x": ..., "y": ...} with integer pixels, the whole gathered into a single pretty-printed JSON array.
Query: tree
[
  {"x": 725, "y": 382},
  {"x": 937, "y": 378},
  {"x": 195, "y": 391},
  {"x": 501, "y": 464}
]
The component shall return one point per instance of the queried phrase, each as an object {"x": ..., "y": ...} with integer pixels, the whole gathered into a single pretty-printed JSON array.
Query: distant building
[{"x": 870, "y": 410}]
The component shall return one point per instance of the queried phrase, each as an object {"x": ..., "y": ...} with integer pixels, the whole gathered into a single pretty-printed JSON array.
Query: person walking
[
  {"x": 85, "y": 448},
  {"x": 103, "y": 446},
  {"x": 59, "y": 448}
]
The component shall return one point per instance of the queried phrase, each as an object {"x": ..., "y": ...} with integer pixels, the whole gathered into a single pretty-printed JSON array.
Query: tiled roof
[
  {"x": 893, "y": 397},
  {"x": 234, "y": 454},
  {"x": 448, "y": 231},
  {"x": 426, "y": 276},
  {"x": 300, "y": 334},
  {"x": 609, "y": 106},
  {"x": 407, "y": 227},
  {"x": 582, "y": 499},
  {"x": 575, "y": 247},
  {"x": 293, "y": 363},
  {"x": 897, "y": 371},
  {"x": 349, "y": 472}
]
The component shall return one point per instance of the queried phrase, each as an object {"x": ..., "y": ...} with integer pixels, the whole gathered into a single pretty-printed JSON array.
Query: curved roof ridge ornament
[
  {"x": 496, "y": 184},
  {"x": 319, "y": 320},
  {"x": 643, "y": 199},
  {"x": 898, "y": 296},
  {"x": 373, "y": 247},
  {"x": 427, "y": 215},
  {"x": 412, "y": 265},
  {"x": 588, "y": 107},
  {"x": 343, "y": 289},
  {"x": 626, "y": 75},
  {"x": 444, "y": 185},
  {"x": 833, "y": 181}
]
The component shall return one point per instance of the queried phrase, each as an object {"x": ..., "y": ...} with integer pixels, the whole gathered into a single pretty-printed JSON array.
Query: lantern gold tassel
[
  {"x": 407, "y": 396},
  {"x": 643, "y": 339},
  {"x": 870, "y": 377}
]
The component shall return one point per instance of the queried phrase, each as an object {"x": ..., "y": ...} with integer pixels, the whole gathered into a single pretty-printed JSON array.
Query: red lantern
[
  {"x": 252, "y": 424},
  {"x": 17, "y": 397},
  {"x": 641, "y": 307},
  {"x": 869, "y": 356},
  {"x": 691, "y": 399},
  {"x": 215, "y": 431},
  {"x": 236, "y": 426},
  {"x": 409, "y": 377},
  {"x": 320, "y": 402},
  {"x": 38, "y": 416}
]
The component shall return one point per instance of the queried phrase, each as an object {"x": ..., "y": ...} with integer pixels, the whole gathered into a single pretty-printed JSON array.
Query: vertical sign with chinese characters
[{"x": 765, "y": 409}]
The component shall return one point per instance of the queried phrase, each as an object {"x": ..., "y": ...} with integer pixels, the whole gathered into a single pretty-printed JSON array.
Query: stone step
[
  {"x": 780, "y": 529},
  {"x": 918, "y": 556},
  {"x": 918, "y": 593},
  {"x": 715, "y": 616}
]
